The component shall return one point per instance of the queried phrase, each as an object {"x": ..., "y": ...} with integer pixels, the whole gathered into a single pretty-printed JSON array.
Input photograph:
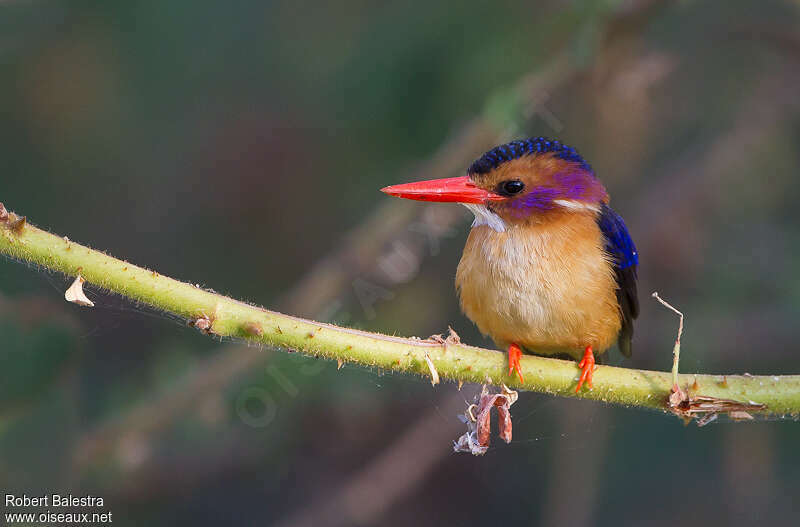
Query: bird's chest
[{"x": 549, "y": 288}]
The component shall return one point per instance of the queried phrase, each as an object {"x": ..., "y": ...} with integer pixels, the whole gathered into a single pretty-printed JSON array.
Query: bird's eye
[{"x": 509, "y": 188}]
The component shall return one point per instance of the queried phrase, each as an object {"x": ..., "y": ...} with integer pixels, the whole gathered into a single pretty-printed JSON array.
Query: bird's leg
[
  {"x": 587, "y": 367},
  {"x": 514, "y": 354}
]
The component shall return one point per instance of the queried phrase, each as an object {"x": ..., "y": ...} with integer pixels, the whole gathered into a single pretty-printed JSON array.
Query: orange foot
[
  {"x": 587, "y": 369},
  {"x": 514, "y": 354}
]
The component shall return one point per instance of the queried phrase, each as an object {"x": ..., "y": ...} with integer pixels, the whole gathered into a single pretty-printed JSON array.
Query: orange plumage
[{"x": 547, "y": 286}]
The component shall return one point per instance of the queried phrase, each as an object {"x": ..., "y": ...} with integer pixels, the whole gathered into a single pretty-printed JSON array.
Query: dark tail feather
[{"x": 625, "y": 340}]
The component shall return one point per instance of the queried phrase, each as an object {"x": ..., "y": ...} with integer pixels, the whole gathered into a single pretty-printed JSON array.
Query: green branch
[{"x": 220, "y": 315}]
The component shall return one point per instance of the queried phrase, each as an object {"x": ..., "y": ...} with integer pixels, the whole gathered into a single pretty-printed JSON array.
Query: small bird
[{"x": 548, "y": 267}]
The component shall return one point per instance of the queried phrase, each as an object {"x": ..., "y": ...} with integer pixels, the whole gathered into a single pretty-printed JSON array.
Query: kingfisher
[{"x": 548, "y": 267}]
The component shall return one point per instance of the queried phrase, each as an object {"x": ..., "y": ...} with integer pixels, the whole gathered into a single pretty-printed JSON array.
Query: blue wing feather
[
  {"x": 618, "y": 242},
  {"x": 620, "y": 247}
]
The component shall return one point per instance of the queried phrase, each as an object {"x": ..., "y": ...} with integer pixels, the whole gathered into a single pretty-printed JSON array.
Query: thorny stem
[{"x": 227, "y": 317}]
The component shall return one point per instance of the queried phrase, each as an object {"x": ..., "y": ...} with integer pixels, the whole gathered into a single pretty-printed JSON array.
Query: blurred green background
[{"x": 240, "y": 145}]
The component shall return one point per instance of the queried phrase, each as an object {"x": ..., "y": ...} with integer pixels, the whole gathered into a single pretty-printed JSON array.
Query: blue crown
[{"x": 526, "y": 147}]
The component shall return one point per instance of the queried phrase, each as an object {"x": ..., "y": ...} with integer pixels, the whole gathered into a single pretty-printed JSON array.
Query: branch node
[
  {"x": 17, "y": 223},
  {"x": 451, "y": 339},
  {"x": 252, "y": 329},
  {"x": 203, "y": 323},
  {"x": 706, "y": 409}
]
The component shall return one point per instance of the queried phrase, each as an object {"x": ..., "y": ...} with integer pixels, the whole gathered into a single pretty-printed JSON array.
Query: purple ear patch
[
  {"x": 572, "y": 184},
  {"x": 540, "y": 198},
  {"x": 578, "y": 185}
]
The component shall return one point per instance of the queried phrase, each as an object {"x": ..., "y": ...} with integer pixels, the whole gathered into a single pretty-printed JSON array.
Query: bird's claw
[
  {"x": 587, "y": 367},
  {"x": 514, "y": 354}
]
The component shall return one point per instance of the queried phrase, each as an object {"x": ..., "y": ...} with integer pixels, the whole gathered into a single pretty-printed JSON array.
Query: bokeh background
[{"x": 240, "y": 145}]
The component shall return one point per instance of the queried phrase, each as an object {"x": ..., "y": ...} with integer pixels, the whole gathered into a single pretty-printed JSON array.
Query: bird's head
[{"x": 517, "y": 183}]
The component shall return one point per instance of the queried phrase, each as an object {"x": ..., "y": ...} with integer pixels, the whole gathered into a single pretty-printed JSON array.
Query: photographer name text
[{"x": 53, "y": 500}]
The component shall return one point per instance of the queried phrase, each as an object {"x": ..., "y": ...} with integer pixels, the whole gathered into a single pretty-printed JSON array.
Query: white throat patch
[{"x": 483, "y": 216}]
